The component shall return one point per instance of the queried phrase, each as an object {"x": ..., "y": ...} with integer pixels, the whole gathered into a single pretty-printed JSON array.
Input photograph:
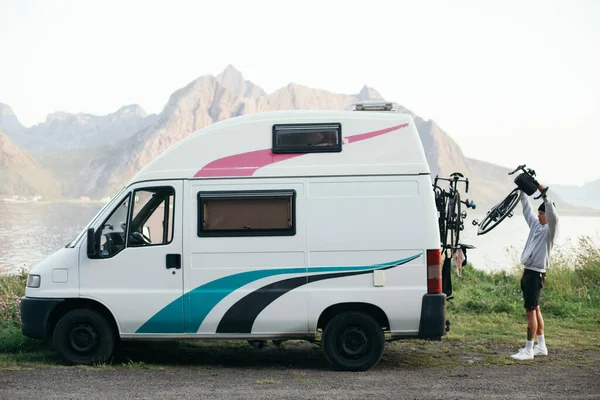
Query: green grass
[
  {"x": 488, "y": 322},
  {"x": 12, "y": 288}
]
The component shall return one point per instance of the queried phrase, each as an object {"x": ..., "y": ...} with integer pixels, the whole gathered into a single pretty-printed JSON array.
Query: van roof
[{"x": 372, "y": 143}]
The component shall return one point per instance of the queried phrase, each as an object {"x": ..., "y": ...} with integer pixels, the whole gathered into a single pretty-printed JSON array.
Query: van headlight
[{"x": 34, "y": 281}]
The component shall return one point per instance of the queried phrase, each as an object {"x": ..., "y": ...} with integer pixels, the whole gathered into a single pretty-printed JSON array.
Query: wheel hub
[
  {"x": 83, "y": 338},
  {"x": 354, "y": 342}
]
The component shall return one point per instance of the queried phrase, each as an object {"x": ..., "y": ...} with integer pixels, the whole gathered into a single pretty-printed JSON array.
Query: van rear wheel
[
  {"x": 353, "y": 341},
  {"x": 84, "y": 336}
]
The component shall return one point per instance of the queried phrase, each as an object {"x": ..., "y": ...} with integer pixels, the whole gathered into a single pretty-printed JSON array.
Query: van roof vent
[{"x": 374, "y": 105}]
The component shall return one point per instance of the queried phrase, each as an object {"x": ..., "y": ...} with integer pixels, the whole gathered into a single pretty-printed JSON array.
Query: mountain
[
  {"x": 367, "y": 93},
  {"x": 489, "y": 183},
  {"x": 202, "y": 102},
  {"x": 95, "y": 156},
  {"x": 64, "y": 131},
  {"x": 9, "y": 121},
  {"x": 21, "y": 175},
  {"x": 232, "y": 80},
  {"x": 587, "y": 195}
]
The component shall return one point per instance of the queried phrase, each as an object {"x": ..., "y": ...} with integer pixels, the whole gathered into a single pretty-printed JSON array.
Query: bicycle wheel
[
  {"x": 440, "y": 202},
  {"x": 454, "y": 213},
  {"x": 499, "y": 212},
  {"x": 444, "y": 227}
]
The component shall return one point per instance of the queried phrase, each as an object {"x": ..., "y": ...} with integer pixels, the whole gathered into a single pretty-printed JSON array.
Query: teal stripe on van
[{"x": 201, "y": 300}]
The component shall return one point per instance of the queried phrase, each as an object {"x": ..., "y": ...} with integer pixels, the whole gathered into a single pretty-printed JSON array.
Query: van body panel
[
  {"x": 62, "y": 264},
  {"x": 373, "y": 144},
  {"x": 224, "y": 270},
  {"x": 369, "y": 221}
]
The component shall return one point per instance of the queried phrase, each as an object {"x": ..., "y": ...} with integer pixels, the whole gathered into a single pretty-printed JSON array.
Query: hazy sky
[{"x": 511, "y": 81}]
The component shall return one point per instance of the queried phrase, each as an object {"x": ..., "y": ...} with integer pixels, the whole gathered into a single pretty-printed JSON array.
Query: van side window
[
  {"x": 113, "y": 230},
  {"x": 247, "y": 213},
  {"x": 152, "y": 217},
  {"x": 307, "y": 138}
]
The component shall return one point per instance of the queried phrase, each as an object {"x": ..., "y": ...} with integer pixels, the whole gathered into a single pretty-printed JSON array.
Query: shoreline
[
  {"x": 572, "y": 211},
  {"x": 44, "y": 202},
  {"x": 470, "y": 215}
]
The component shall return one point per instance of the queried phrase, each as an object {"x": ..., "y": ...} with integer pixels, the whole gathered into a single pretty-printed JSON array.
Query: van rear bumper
[
  {"x": 34, "y": 316},
  {"x": 433, "y": 316}
]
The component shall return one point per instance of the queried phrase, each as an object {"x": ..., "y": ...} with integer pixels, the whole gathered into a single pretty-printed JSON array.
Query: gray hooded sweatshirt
[{"x": 536, "y": 255}]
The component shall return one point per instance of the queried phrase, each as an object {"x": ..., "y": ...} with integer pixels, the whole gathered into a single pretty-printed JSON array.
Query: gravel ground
[
  {"x": 475, "y": 382},
  {"x": 437, "y": 371}
]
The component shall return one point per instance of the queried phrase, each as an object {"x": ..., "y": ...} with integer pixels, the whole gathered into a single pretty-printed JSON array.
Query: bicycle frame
[{"x": 448, "y": 204}]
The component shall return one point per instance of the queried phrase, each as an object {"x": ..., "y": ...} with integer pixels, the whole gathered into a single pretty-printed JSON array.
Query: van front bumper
[
  {"x": 433, "y": 316},
  {"x": 34, "y": 316}
]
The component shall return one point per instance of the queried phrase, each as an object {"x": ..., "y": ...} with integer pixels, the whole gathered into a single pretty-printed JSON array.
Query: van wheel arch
[
  {"x": 374, "y": 311},
  {"x": 73, "y": 304}
]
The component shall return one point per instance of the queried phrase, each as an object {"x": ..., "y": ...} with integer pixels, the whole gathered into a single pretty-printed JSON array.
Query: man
[{"x": 535, "y": 260}]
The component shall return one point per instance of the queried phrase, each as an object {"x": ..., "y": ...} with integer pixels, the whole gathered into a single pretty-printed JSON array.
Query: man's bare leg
[
  {"x": 542, "y": 351},
  {"x": 532, "y": 325},
  {"x": 540, "y": 321},
  {"x": 527, "y": 352}
]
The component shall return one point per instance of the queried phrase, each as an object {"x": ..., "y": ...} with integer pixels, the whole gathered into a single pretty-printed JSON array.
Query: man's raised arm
[
  {"x": 527, "y": 212},
  {"x": 551, "y": 215}
]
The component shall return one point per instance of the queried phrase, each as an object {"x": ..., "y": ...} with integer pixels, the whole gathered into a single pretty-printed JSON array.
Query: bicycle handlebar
[
  {"x": 522, "y": 167},
  {"x": 528, "y": 171},
  {"x": 454, "y": 180},
  {"x": 531, "y": 173}
]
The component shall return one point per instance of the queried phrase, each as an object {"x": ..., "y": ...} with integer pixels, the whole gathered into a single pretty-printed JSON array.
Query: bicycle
[
  {"x": 525, "y": 182},
  {"x": 449, "y": 206}
]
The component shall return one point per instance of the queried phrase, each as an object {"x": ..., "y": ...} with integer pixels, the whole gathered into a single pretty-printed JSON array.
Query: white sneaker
[
  {"x": 540, "y": 351},
  {"x": 523, "y": 354}
]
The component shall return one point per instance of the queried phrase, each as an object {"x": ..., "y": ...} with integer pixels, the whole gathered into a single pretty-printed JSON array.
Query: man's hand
[{"x": 542, "y": 187}]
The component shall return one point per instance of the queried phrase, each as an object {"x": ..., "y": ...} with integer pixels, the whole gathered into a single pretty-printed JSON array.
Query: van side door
[{"x": 137, "y": 273}]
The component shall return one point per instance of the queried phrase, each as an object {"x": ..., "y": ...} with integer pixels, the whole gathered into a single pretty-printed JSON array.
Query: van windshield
[{"x": 72, "y": 243}]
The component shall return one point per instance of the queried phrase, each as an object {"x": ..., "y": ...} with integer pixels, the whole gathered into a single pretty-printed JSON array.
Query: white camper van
[{"x": 279, "y": 225}]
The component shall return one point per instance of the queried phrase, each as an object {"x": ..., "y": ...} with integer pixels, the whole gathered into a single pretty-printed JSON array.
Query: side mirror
[{"x": 91, "y": 244}]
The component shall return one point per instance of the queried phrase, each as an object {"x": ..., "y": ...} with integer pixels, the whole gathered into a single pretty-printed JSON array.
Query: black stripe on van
[{"x": 241, "y": 316}]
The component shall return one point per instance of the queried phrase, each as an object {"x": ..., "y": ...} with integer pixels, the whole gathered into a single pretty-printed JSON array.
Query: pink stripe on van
[{"x": 245, "y": 164}]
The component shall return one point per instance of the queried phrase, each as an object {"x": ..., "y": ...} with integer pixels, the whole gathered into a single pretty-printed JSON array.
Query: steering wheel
[
  {"x": 141, "y": 237},
  {"x": 499, "y": 212}
]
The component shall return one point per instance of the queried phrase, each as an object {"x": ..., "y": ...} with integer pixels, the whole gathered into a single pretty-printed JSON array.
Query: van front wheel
[
  {"x": 353, "y": 341},
  {"x": 84, "y": 336}
]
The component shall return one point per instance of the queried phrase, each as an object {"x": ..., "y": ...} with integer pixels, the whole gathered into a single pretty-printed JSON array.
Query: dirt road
[{"x": 439, "y": 371}]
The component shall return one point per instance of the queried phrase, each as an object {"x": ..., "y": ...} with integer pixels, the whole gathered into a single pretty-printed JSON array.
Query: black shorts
[{"x": 532, "y": 283}]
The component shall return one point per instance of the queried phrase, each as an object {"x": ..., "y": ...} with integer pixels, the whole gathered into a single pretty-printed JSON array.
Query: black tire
[
  {"x": 84, "y": 336},
  {"x": 499, "y": 212},
  {"x": 353, "y": 341},
  {"x": 456, "y": 218},
  {"x": 445, "y": 231},
  {"x": 441, "y": 206}
]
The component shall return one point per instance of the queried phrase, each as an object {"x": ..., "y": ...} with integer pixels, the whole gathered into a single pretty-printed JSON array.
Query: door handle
[{"x": 173, "y": 261}]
